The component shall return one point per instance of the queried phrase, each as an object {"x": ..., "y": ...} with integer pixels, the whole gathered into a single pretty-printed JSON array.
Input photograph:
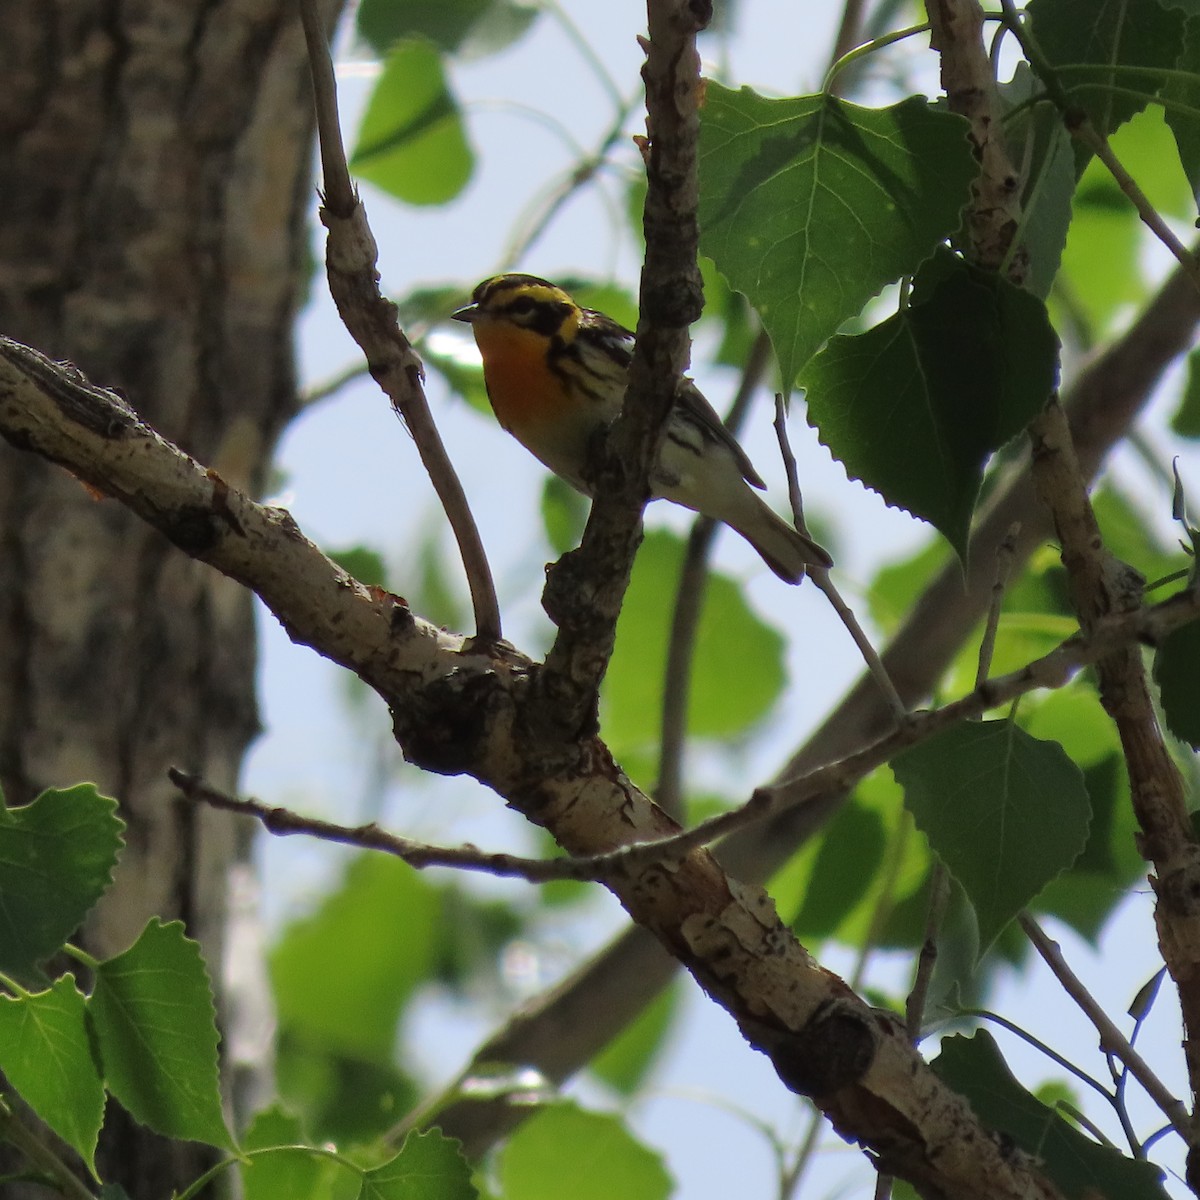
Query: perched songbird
[{"x": 556, "y": 372}]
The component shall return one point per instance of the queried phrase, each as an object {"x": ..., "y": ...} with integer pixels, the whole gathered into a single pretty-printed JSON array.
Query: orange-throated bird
[{"x": 556, "y": 372}]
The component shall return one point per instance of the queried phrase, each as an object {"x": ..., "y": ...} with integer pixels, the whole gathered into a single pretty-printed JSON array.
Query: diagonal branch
[{"x": 351, "y": 266}]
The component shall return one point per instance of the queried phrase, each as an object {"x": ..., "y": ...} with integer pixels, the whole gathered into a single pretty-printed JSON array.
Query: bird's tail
[{"x": 784, "y": 549}]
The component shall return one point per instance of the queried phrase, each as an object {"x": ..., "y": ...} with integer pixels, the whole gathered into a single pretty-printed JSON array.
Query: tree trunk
[{"x": 154, "y": 179}]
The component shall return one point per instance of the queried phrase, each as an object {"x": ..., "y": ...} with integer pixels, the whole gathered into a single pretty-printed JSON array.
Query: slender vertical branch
[
  {"x": 585, "y": 589},
  {"x": 351, "y": 267}
]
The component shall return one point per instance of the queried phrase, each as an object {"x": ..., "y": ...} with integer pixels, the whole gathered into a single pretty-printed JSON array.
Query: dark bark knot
[
  {"x": 444, "y": 727},
  {"x": 831, "y": 1052}
]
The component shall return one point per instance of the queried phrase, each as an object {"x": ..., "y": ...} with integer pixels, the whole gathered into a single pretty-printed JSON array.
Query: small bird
[{"x": 556, "y": 372}]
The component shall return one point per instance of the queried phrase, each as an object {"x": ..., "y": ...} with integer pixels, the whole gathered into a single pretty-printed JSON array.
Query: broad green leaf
[
  {"x": 809, "y": 206},
  {"x": 411, "y": 142},
  {"x": 46, "y": 1056},
  {"x": 974, "y": 1067},
  {"x": 427, "y": 1167},
  {"x": 594, "y": 1151},
  {"x": 1005, "y": 812},
  {"x": 1186, "y": 419},
  {"x": 850, "y": 855},
  {"x": 628, "y": 1059},
  {"x": 1177, "y": 673},
  {"x": 57, "y": 857},
  {"x": 1181, "y": 100},
  {"x": 564, "y": 514},
  {"x": 732, "y": 642},
  {"x": 469, "y": 27},
  {"x": 343, "y": 975},
  {"x": 1085, "y": 895},
  {"x": 270, "y": 1171},
  {"x": 1039, "y": 137},
  {"x": 1102, "y": 34},
  {"x": 342, "y": 1099},
  {"x": 914, "y": 406},
  {"x": 363, "y": 562},
  {"x": 154, "y": 1021},
  {"x": 898, "y": 584}
]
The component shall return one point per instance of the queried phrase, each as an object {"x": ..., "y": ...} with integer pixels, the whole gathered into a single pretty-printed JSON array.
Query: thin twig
[
  {"x": 918, "y": 996},
  {"x": 351, "y": 267},
  {"x": 283, "y": 821},
  {"x": 1005, "y": 553},
  {"x": 824, "y": 583},
  {"x": 1112, "y": 1040}
]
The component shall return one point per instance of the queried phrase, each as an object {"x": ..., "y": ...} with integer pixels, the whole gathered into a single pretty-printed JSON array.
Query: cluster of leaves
[{"x": 141, "y": 1027}]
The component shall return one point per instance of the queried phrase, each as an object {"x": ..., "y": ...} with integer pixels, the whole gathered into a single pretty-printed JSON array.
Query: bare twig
[
  {"x": 918, "y": 996},
  {"x": 1005, "y": 554},
  {"x": 1112, "y": 1040},
  {"x": 823, "y": 581},
  {"x": 351, "y": 259},
  {"x": 283, "y": 821}
]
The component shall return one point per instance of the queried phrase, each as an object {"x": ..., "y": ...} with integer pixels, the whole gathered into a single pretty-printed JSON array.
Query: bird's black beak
[{"x": 467, "y": 314}]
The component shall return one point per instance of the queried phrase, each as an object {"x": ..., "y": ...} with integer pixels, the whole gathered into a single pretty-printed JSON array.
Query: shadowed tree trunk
[{"x": 154, "y": 178}]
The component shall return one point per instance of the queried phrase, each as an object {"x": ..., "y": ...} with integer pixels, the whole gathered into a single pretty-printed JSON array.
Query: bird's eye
[{"x": 522, "y": 305}]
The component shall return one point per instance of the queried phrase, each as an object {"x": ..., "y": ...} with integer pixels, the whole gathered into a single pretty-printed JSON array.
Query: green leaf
[
  {"x": 270, "y": 1172},
  {"x": 809, "y": 206},
  {"x": 1103, "y": 34},
  {"x": 1181, "y": 98},
  {"x": 732, "y": 642},
  {"x": 973, "y": 1066},
  {"x": 343, "y": 1100},
  {"x": 343, "y": 975},
  {"x": 1185, "y": 421},
  {"x": 46, "y": 1056},
  {"x": 1177, "y": 673},
  {"x": 564, "y": 514},
  {"x": 363, "y": 562},
  {"x": 470, "y": 27},
  {"x": 596, "y": 1152},
  {"x": 897, "y": 585},
  {"x": 154, "y": 1021},
  {"x": 1005, "y": 812},
  {"x": 629, "y": 1058},
  {"x": 428, "y": 1167},
  {"x": 914, "y": 406},
  {"x": 1040, "y": 137},
  {"x": 411, "y": 142},
  {"x": 849, "y": 857},
  {"x": 57, "y": 857}
]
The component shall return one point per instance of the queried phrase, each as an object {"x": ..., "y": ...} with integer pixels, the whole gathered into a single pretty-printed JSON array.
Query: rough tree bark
[{"x": 154, "y": 174}]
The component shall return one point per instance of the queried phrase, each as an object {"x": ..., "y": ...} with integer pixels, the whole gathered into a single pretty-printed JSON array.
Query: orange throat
[{"x": 522, "y": 389}]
